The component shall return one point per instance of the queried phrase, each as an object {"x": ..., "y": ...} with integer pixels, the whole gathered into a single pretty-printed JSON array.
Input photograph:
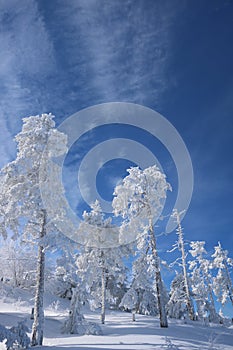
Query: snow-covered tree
[
  {"x": 139, "y": 201},
  {"x": 180, "y": 245},
  {"x": 101, "y": 268},
  {"x": 65, "y": 276},
  {"x": 21, "y": 206},
  {"x": 177, "y": 306},
  {"x": 140, "y": 297},
  {"x": 202, "y": 282},
  {"x": 18, "y": 262},
  {"x": 76, "y": 323},
  {"x": 222, "y": 287}
]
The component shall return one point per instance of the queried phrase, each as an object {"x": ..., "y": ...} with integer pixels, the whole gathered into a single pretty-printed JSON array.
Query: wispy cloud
[
  {"x": 67, "y": 56},
  {"x": 25, "y": 45},
  {"x": 118, "y": 49},
  {"x": 26, "y": 55},
  {"x": 92, "y": 53}
]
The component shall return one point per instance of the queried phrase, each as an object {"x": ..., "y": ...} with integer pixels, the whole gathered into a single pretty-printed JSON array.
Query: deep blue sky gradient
[{"x": 172, "y": 56}]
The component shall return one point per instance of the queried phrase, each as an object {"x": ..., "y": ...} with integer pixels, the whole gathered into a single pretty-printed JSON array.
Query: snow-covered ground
[{"x": 119, "y": 332}]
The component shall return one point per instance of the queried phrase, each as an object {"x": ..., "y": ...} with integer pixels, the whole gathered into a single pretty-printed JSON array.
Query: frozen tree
[
  {"x": 140, "y": 283},
  {"x": 94, "y": 222},
  {"x": 116, "y": 284},
  {"x": 139, "y": 201},
  {"x": 223, "y": 287},
  {"x": 21, "y": 206},
  {"x": 101, "y": 268},
  {"x": 65, "y": 277},
  {"x": 102, "y": 273},
  {"x": 202, "y": 282},
  {"x": 177, "y": 306},
  {"x": 18, "y": 263},
  {"x": 76, "y": 323},
  {"x": 140, "y": 297},
  {"x": 180, "y": 245}
]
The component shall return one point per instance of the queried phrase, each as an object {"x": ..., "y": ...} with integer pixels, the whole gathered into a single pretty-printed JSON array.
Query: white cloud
[
  {"x": 123, "y": 52},
  {"x": 26, "y": 53},
  {"x": 25, "y": 44}
]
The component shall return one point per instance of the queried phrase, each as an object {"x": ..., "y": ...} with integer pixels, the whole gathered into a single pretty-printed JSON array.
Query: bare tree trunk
[
  {"x": 38, "y": 324},
  {"x": 133, "y": 316},
  {"x": 15, "y": 274},
  {"x": 158, "y": 279},
  {"x": 103, "y": 294},
  {"x": 188, "y": 300}
]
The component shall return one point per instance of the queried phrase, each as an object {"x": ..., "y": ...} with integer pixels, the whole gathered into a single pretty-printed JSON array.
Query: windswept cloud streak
[
  {"x": 26, "y": 56},
  {"x": 61, "y": 57},
  {"x": 119, "y": 50}
]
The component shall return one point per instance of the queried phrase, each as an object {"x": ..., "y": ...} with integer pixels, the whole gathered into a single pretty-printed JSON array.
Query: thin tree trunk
[
  {"x": 15, "y": 275},
  {"x": 133, "y": 316},
  {"x": 158, "y": 279},
  {"x": 38, "y": 324},
  {"x": 103, "y": 287},
  {"x": 189, "y": 303}
]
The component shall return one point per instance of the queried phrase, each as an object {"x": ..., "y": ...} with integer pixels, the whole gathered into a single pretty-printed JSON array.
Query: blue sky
[{"x": 172, "y": 56}]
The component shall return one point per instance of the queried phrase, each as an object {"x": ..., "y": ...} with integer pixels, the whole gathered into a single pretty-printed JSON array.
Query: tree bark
[
  {"x": 158, "y": 279},
  {"x": 38, "y": 324}
]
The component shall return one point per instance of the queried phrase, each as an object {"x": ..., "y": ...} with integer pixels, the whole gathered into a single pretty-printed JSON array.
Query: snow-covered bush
[
  {"x": 92, "y": 328},
  {"x": 81, "y": 326},
  {"x": 15, "y": 337}
]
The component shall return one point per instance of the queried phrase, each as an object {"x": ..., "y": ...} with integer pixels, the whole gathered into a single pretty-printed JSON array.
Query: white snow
[{"x": 119, "y": 332}]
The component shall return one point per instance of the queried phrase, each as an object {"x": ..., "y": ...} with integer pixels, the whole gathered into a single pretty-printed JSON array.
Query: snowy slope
[{"x": 118, "y": 332}]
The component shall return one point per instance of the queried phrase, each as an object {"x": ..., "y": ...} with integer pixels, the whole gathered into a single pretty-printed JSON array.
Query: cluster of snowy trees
[
  {"x": 206, "y": 281},
  {"x": 126, "y": 276}
]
